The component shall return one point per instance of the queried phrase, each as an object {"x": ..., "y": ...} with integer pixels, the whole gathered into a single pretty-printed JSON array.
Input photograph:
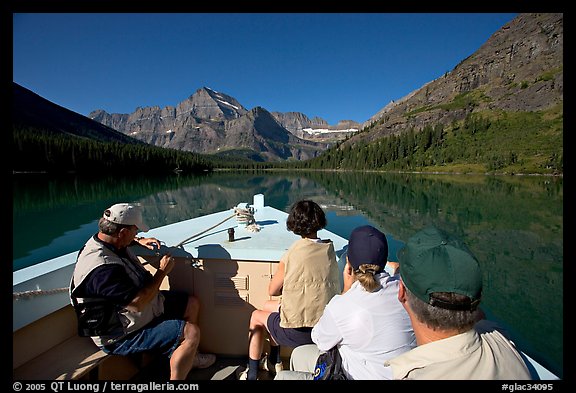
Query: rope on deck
[
  {"x": 36, "y": 292},
  {"x": 201, "y": 233},
  {"x": 246, "y": 217},
  {"x": 243, "y": 216}
]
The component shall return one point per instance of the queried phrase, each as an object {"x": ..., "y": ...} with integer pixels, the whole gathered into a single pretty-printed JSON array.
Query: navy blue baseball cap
[{"x": 367, "y": 245}]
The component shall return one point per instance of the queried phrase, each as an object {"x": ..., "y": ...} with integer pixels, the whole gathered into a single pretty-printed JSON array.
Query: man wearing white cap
[{"x": 119, "y": 303}]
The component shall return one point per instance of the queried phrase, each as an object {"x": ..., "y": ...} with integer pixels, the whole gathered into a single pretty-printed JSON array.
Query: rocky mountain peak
[
  {"x": 212, "y": 122},
  {"x": 208, "y": 104}
]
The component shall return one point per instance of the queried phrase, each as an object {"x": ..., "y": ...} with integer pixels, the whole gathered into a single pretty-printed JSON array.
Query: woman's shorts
[
  {"x": 289, "y": 337},
  {"x": 162, "y": 335}
]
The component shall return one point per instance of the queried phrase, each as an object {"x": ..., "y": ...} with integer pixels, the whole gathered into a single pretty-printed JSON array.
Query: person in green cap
[{"x": 441, "y": 289}]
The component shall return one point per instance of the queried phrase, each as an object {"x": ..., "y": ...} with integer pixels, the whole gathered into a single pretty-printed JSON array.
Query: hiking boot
[
  {"x": 266, "y": 364},
  {"x": 203, "y": 360}
]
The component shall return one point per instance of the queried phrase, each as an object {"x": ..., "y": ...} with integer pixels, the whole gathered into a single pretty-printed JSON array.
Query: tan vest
[
  {"x": 95, "y": 254},
  {"x": 310, "y": 281}
]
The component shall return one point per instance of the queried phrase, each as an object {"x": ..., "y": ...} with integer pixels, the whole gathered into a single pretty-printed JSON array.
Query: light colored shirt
[
  {"x": 476, "y": 354},
  {"x": 368, "y": 327}
]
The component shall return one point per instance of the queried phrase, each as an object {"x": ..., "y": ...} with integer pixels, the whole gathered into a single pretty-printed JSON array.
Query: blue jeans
[{"x": 163, "y": 334}]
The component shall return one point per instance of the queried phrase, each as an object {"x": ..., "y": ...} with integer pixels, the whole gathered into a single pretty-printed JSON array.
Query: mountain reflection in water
[{"x": 513, "y": 224}]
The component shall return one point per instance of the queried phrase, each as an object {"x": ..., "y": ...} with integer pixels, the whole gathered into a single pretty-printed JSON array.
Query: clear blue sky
[{"x": 335, "y": 66}]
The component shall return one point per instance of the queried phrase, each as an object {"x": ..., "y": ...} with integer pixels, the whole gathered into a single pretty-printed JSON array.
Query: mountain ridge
[
  {"x": 519, "y": 68},
  {"x": 31, "y": 110},
  {"x": 208, "y": 122}
]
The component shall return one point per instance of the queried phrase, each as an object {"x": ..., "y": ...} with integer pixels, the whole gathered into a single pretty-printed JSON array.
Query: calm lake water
[{"x": 514, "y": 225}]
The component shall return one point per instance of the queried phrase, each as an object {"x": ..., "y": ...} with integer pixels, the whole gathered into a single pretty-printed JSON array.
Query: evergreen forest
[{"x": 489, "y": 142}]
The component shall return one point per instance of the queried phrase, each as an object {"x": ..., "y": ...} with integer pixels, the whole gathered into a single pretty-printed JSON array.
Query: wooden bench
[
  {"x": 50, "y": 349},
  {"x": 74, "y": 358}
]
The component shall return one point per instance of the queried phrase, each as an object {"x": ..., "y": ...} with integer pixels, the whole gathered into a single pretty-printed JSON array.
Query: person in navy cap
[{"x": 366, "y": 322}]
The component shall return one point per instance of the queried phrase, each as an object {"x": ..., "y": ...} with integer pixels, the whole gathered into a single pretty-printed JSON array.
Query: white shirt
[{"x": 369, "y": 328}]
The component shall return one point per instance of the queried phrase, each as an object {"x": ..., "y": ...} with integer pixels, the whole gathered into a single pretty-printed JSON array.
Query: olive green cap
[{"x": 434, "y": 261}]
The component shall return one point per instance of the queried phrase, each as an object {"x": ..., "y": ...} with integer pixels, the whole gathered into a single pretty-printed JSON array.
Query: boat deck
[
  {"x": 207, "y": 237},
  {"x": 225, "y": 368}
]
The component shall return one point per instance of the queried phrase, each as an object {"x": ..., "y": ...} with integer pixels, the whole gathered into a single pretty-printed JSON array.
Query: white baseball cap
[{"x": 126, "y": 214}]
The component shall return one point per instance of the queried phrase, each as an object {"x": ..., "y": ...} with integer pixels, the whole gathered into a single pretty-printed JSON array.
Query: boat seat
[
  {"x": 50, "y": 349},
  {"x": 74, "y": 358}
]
